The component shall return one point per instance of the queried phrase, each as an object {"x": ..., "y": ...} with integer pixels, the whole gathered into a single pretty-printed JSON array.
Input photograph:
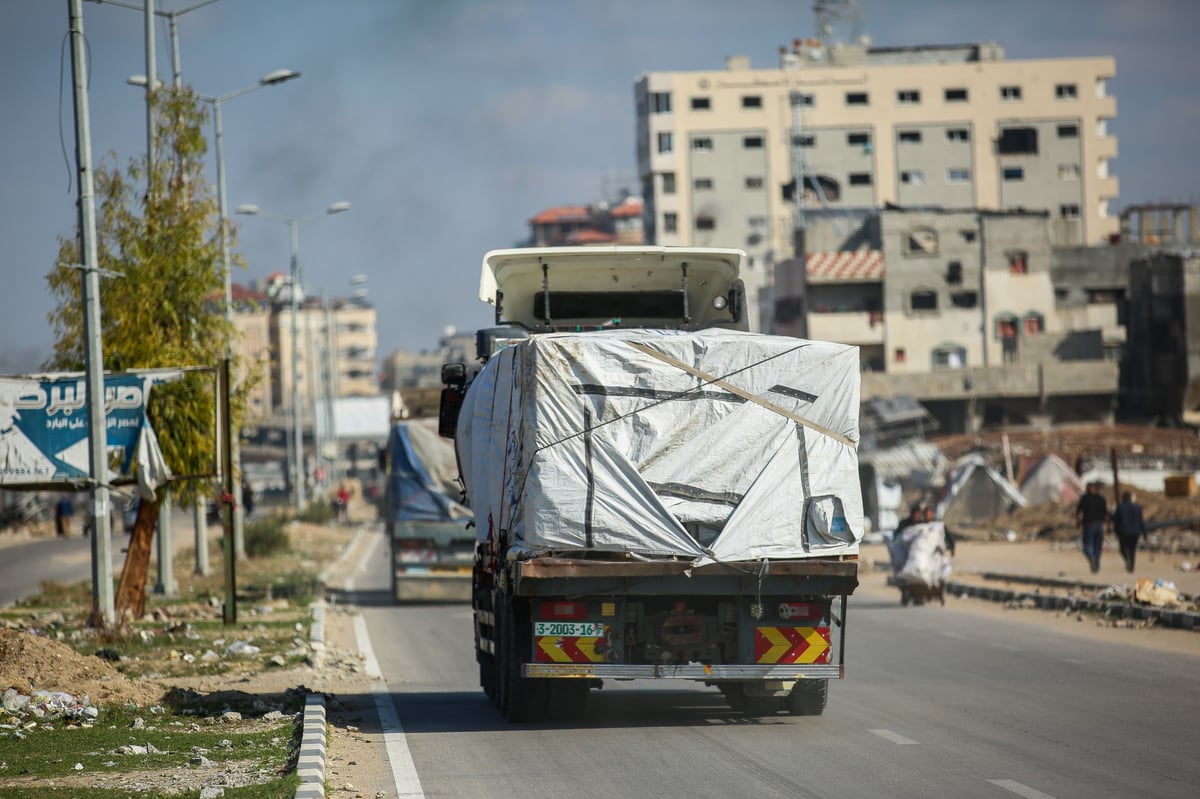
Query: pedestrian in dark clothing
[
  {"x": 1130, "y": 527},
  {"x": 1091, "y": 514},
  {"x": 247, "y": 499},
  {"x": 63, "y": 511}
]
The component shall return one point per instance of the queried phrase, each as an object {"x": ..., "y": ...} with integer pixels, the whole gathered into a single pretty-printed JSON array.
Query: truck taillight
[
  {"x": 564, "y": 610},
  {"x": 807, "y": 611}
]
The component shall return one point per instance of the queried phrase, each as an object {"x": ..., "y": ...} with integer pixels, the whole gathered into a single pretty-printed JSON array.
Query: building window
[
  {"x": 701, "y": 103},
  {"x": 1066, "y": 91},
  {"x": 666, "y": 142},
  {"x": 1017, "y": 141},
  {"x": 857, "y": 98},
  {"x": 923, "y": 300},
  {"x": 823, "y": 188},
  {"x": 968, "y": 236},
  {"x": 899, "y": 355},
  {"x": 668, "y": 182},
  {"x": 752, "y": 142},
  {"x": 706, "y": 222},
  {"x": 956, "y": 95},
  {"x": 1010, "y": 94},
  {"x": 858, "y": 138},
  {"x": 954, "y": 273},
  {"x": 860, "y": 178},
  {"x": 1018, "y": 262},
  {"x": 908, "y": 97},
  {"x": 958, "y": 176},
  {"x": 1068, "y": 171},
  {"x": 1014, "y": 173},
  {"x": 801, "y": 99},
  {"x": 702, "y": 144},
  {"x": 1035, "y": 323},
  {"x": 958, "y": 134},
  {"x": 754, "y": 183},
  {"x": 1068, "y": 131},
  {"x": 964, "y": 299},
  {"x": 660, "y": 102},
  {"x": 1070, "y": 211},
  {"x": 804, "y": 141},
  {"x": 912, "y": 177},
  {"x": 670, "y": 222},
  {"x": 702, "y": 184},
  {"x": 910, "y": 137},
  {"x": 921, "y": 241},
  {"x": 950, "y": 356},
  {"x": 752, "y": 101}
]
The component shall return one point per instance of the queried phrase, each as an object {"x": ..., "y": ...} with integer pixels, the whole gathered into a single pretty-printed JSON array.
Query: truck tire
[
  {"x": 808, "y": 697},
  {"x": 522, "y": 699}
]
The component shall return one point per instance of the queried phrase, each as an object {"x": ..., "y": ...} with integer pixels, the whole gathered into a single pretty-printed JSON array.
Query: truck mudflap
[{"x": 691, "y": 671}]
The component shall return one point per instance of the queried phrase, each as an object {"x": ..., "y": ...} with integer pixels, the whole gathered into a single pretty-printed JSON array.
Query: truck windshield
[{"x": 610, "y": 305}]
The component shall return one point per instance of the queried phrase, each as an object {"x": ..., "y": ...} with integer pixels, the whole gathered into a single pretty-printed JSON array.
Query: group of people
[{"x": 1094, "y": 520}]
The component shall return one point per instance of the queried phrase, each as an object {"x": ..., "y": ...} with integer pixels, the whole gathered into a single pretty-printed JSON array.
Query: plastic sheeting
[
  {"x": 919, "y": 555},
  {"x": 709, "y": 445},
  {"x": 421, "y": 472}
]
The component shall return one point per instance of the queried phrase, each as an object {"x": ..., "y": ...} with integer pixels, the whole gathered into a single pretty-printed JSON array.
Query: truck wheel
[
  {"x": 808, "y": 697},
  {"x": 524, "y": 698}
]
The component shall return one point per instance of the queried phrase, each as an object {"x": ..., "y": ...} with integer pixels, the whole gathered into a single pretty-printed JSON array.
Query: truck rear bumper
[{"x": 690, "y": 671}]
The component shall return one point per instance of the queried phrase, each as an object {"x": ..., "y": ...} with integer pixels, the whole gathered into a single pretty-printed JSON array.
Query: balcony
[{"x": 847, "y": 327}]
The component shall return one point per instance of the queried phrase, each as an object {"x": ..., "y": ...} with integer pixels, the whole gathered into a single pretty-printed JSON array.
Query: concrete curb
[
  {"x": 1167, "y": 617},
  {"x": 310, "y": 765}
]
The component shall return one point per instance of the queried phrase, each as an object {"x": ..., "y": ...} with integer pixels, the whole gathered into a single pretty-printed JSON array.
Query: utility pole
[{"x": 103, "y": 609}]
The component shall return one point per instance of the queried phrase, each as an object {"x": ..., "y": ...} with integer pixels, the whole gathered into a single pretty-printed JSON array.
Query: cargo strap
[{"x": 742, "y": 393}]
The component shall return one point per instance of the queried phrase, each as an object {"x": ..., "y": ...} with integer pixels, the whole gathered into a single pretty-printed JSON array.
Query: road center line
[
  {"x": 894, "y": 737},
  {"x": 1020, "y": 789}
]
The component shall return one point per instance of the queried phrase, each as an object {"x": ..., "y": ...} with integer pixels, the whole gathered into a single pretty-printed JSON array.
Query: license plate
[{"x": 569, "y": 629}]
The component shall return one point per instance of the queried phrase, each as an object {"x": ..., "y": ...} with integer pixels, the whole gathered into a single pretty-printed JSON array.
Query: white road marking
[
  {"x": 1020, "y": 789},
  {"x": 367, "y": 554},
  {"x": 404, "y": 771},
  {"x": 894, "y": 737},
  {"x": 363, "y": 638}
]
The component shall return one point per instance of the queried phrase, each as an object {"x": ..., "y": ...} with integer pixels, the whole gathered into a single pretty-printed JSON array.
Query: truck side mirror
[
  {"x": 737, "y": 300},
  {"x": 454, "y": 375}
]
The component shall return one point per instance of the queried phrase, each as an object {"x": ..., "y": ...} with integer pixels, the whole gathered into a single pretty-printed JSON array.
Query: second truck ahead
[{"x": 657, "y": 493}]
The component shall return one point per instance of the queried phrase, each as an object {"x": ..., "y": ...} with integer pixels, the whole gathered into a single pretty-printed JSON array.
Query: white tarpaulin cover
[{"x": 713, "y": 445}]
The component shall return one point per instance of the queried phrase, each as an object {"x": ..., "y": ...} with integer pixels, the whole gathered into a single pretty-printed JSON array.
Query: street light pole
[{"x": 293, "y": 224}]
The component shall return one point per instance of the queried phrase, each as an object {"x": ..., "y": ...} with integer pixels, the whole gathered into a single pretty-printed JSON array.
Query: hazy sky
[{"x": 448, "y": 123}]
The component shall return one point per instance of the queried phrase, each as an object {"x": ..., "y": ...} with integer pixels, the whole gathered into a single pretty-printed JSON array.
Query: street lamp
[
  {"x": 293, "y": 224},
  {"x": 270, "y": 79}
]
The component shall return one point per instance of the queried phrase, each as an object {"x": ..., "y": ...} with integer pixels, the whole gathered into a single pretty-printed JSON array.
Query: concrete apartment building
[{"x": 953, "y": 126}]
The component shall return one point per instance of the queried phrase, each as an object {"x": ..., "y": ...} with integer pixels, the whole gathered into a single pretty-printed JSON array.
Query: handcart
[{"x": 918, "y": 565}]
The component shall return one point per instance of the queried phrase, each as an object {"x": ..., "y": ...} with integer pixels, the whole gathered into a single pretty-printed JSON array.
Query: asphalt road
[
  {"x": 25, "y": 565},
  {"x": 939, "y": 702}
]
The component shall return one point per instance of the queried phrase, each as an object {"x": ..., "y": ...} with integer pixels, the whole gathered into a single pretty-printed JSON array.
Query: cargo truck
[
  {"x": 658, "y": 494},
  {"x": 431, "y": 544}
]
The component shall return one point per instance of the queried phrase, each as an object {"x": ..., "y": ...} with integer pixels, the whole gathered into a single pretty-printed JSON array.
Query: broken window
[
  {"x": 824, "y": 187},
  {"x": 921, "y": 241},
  {"x": 923, "y": 301},
  {"x": 1017, "y": 141},
  {"x": 954, "y": 272}
]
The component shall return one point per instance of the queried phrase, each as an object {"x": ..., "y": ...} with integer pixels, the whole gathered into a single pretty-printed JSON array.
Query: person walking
[
  {"x": 1130, "y": 527},
  {"x": 1091, "y": 514},
  {"x": 63, "y": 511}
]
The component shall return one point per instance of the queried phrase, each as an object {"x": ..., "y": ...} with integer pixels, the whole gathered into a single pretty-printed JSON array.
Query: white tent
[
  {"x": 977, "y": 493},
  {"x": 1051, "y": 480}
]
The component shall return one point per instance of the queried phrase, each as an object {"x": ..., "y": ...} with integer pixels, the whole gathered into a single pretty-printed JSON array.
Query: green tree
[{"x": 167, "y": 307}]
